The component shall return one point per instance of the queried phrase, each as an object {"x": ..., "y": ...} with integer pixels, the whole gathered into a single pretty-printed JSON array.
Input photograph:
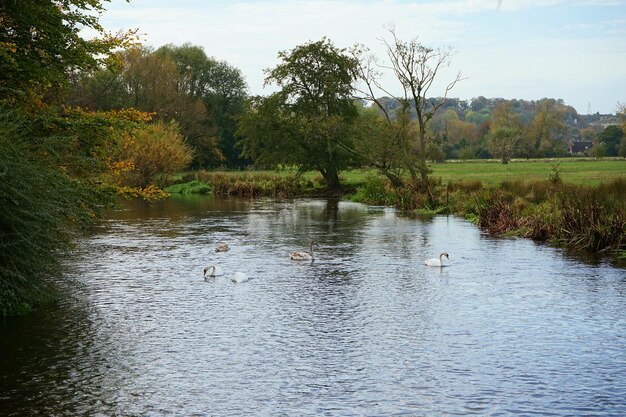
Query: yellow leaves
[
  {"x": 149, "y": 192},
  {"x": 119, "y": 167},
  {"x": 110, "y": 117},
  {"x": 156, "y": 151},
  {"x": 9, "y": 46}
]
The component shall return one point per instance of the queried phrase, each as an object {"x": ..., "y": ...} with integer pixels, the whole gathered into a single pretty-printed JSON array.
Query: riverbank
[{"x": 580, "y": 205}]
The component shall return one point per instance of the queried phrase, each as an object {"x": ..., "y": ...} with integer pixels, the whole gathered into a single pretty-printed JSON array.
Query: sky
[{"x": 573, "y": 50}]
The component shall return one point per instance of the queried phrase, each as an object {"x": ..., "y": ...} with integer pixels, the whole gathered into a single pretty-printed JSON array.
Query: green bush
[
  {"x": 156, "y": 152},
  {"x": 40, "y": 208}
]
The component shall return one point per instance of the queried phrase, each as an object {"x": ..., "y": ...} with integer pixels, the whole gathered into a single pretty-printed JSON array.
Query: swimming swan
[
  {"x": 222, "y": 247},
  {"x": 435, "y": 261},
  {"x": 304, "y": 256},
  {"x": 239, "y": 277},
  {"x": 212, "y": 271}
]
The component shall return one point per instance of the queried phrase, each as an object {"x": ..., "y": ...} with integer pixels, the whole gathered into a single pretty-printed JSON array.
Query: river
[{"x": 509, "y": 327}]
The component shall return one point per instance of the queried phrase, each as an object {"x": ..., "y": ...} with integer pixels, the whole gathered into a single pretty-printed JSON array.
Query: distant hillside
[{"x": 479, "y": 109}]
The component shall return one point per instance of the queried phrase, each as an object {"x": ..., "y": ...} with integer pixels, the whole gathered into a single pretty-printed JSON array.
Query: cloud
[{"x": 502, "y": 55}]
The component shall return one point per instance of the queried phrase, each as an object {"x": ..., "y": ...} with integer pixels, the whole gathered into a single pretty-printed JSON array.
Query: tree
[
  {"x": 548, "y": 129},
  {"x": 384, "y": 142},
  {"x": 598, "y": 150},
  {"x": 611, "y": 137},
  {"x": 40, "y": 45},
  {"x": 313, "y": 111},
  {"x": 181, "y": 83},
  {"x": 154, "y": 153},
  {"x": 621, "y": 113},
  {"x": 504, "y": 116},
  {"x": 220, "y": 86},
  {"x": 152, "y": 82},
  {"x": 503, "y": 141},
  {"x": 415, "y": 66}
]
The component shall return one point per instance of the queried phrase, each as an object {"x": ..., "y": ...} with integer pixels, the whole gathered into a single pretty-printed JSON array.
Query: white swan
[
  {"x": 304, "y": 256},
  {"x": 222, "y": 247},
  {"x": 239, "y": 277},
  {"x": 435, "y": 261},
  {"x": 212, "y": 271}
]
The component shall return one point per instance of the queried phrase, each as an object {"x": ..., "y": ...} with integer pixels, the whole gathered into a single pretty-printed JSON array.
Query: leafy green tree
[
  {"x": 478, "y": 118},
  {"x": 152, "y": 82},
  {"x": 548, "y": 129},
  {"x": 40, "y": 44},
  {"x": 598, "y": 150},
  {"x": 220, "y": 86},
  {"x": 467, "y": 153},
  {"x": 309, "y": 116},
  {"x": 611, "y": 137},
  {"x": 181, "y": 83},
  {"x": 384, "y": 142}
]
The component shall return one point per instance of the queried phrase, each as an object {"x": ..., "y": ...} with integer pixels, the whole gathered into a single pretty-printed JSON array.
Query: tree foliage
[
  {"x": 547, "y": 131},
  {"x": 309, "y": 122},
  {"x": 152, "y": 153},
  {"x": 40, "y": 44},
  {"x": 611, "y": 137},
  {"x": 415, "y": 67},
  {"x": 180, "y": 83},
  {"x": 41, "y": 205},
  {"x": 503, "y": 142},
  {"x": 220, "y": 86}
]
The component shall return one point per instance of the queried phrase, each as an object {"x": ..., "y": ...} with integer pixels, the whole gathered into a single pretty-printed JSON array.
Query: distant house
[{"x": 580, "y": 147}]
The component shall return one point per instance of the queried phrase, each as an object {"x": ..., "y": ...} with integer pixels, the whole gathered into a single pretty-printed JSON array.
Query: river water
[{"x": 508, "y": 328}]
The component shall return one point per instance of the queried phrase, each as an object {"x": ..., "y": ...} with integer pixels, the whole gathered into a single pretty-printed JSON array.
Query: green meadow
[
  {"x": 581, "y": 171},
  {"x": 589, "y": 172}
]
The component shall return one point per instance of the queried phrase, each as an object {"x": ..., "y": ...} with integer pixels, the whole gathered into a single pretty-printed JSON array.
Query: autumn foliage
[{"x": 151, "y": 154}]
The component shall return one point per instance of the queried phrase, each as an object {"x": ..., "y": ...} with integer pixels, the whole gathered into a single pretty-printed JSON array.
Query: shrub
[
  {"x": 156, "y": 151},
  {"x": 496, "y": 212},
  {"x": 593, "y": 219},
  {"x": 253, "y": 185},
  {"x": 40, "y": 208}
]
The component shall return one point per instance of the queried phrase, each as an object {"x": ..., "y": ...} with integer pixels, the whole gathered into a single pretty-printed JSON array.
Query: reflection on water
[{"x": 509, "y": 327}]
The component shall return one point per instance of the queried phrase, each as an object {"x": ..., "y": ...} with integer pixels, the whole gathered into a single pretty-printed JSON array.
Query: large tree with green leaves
[
  {"x": 220, "y": 86},
  {"x": 41, "y": 44},
  {"x": 546, "y": 133},
  {"x": 304, "y": 122}
]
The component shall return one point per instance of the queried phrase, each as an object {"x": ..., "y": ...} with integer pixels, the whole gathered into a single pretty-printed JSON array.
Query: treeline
[
  {"x": 208, "y": 100},
  {"x": 180, "y": 84},
  {"x": 463, "y": 129}
]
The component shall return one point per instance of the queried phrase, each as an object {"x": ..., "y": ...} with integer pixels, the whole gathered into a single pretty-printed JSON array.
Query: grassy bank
[
  {"x": 581, "y": 171},
  {"x": 244, "y": 184},
  {"x": 579, "y": 217}
]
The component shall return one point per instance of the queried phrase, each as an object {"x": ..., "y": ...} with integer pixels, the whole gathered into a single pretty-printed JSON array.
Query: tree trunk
[
  {"x": 394, "y": 179},
  {"x": 332, "y": 179}
]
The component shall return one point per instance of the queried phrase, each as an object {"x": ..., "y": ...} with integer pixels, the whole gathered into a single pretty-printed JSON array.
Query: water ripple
[{"x": 510, "y": 328}]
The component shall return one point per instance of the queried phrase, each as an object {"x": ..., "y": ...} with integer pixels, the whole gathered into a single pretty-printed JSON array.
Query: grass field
[
  {"x": 491, "y": 172},
  {"x": 583, "y": 172}
]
